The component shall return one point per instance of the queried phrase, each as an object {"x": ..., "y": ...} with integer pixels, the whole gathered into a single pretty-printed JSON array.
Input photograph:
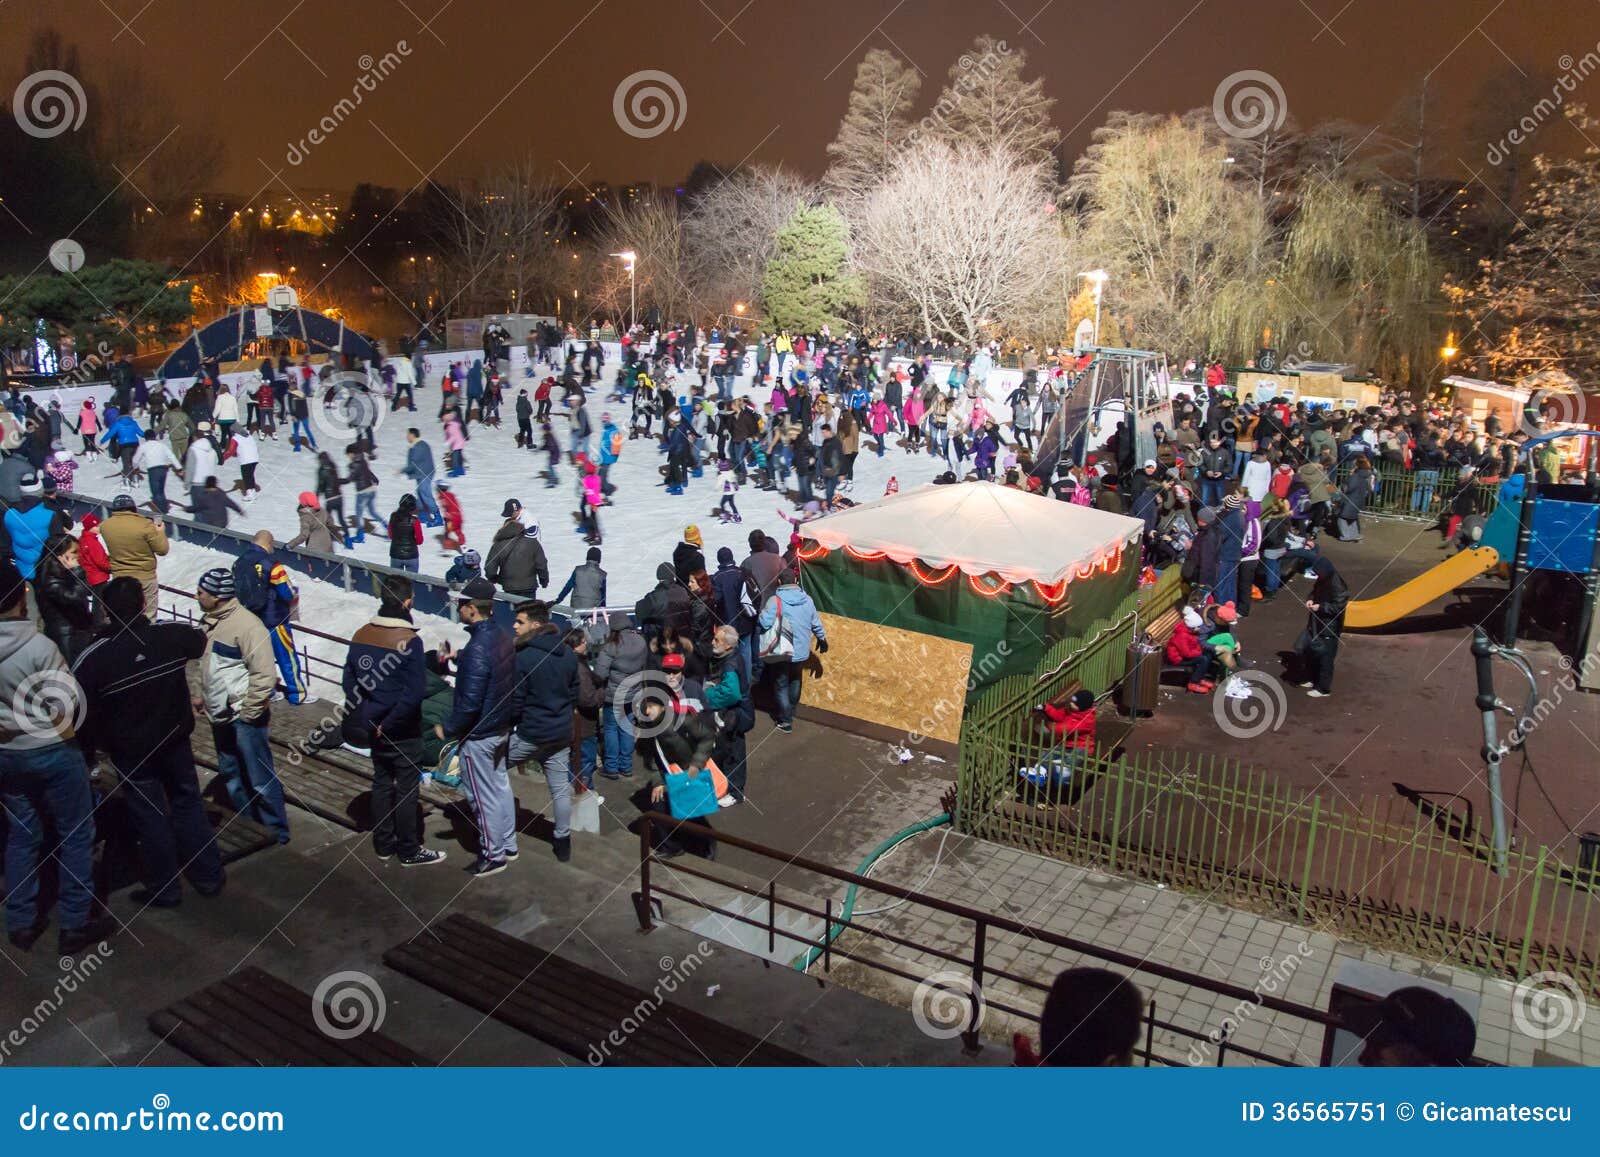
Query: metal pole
[
  {"x": 1099, "y": 288},
  {"x": 1519, "y": 563},
  {"x": 1483, "y": 657}
]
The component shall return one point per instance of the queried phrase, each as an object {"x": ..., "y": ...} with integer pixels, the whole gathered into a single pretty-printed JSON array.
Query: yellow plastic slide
[{"x": 1423, "y": 589}]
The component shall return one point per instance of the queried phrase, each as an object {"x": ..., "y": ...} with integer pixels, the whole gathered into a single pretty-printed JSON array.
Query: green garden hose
[{"x": 809, "y": 957}]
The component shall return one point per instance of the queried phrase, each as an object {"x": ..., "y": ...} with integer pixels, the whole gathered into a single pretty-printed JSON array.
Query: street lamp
[
  {"x": 1449, "y": 351},
  {"x": 629, "y": 258},
  {"x": 1097, "y": 278}
]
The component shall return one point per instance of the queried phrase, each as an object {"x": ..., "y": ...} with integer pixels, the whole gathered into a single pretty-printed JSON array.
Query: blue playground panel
[{"x": 1563, "y": 531}]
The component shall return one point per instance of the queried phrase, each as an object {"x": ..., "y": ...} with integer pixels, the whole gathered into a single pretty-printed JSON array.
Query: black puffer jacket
[
  {"x": 516, "y": 560},
  {"x": 65, "y": 607},
  {"x": 665, "y": 610}
]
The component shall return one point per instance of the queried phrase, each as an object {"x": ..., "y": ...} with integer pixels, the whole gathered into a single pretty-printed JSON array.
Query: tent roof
[{"x": 981, "y": 527}]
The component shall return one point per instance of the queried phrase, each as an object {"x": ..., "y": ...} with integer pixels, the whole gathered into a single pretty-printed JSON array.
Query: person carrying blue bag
[{"x": 684, "y": 741}]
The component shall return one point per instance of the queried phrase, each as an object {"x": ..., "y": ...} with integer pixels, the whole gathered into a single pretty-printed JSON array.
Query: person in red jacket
[
  {"x": 92, "y": 554},
  {"x": 454, "y": 537},
  {"x": 1073, "y": 728},
  {"x": 263, "y": 422},
  {"x": 1184, "y": 646}
]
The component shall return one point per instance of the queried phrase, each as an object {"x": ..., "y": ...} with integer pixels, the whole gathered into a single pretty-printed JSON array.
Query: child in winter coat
[
  {"x": 454, "y": 536},
  {"x": 1073, "y": 727},
  {"x": 552, "y": 447},
  {"x": 316, "y": 529},
  {"x": 1184, "y": 646},
  {"x": 92, "y": 554},
  {"x": 878, "y": 422},
  {"x": 467, "y": 566},
  {"x": 593, "y": 498},
  {"x": 61, "y": 466},
  {"x": 89, "y": 426},
  {"x": 455, "y": 440},
  {"x": 728, "y": 509}
]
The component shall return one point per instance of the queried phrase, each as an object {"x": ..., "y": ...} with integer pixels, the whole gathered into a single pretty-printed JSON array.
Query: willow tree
[
  {"x": 1187, "y": 249},
  {"x": 1356, "y": 282}
]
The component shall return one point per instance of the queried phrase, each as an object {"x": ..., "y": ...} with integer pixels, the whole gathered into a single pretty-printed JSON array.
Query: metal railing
[
  {"x": 832, "y": 943},
  {"x": 1423, "y": 494}
]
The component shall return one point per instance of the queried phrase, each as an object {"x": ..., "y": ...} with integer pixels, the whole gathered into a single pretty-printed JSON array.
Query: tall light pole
[
  {"x": 1097, "y": 278},
  {"x": 630, "y": 258}
]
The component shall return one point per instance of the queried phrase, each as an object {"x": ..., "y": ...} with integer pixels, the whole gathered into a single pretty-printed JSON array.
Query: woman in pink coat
[
  {"x": 878, "y": 421},
  {"x": 89, "y": 426},
  {"x": 913, "y": 412},
  {"x": 594, "y": 497}
]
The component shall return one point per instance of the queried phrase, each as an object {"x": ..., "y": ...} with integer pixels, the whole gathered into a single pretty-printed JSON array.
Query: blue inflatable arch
[{"x": 224, "y": 338}]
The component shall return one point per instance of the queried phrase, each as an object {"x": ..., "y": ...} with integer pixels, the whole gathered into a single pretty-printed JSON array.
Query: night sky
[{"x": 762, "y": 81}]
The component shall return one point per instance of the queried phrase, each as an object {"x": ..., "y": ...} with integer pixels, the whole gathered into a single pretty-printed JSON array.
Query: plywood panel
[{"x": 900, "y": 679}]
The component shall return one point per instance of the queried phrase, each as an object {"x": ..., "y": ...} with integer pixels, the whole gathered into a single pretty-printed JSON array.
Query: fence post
[
  {"x": 1311, "y": 847},
  {"x": 1533, "y": 910},
  {"x": 970, "y": 1042},
  {"x": 1116, "y": 817}
]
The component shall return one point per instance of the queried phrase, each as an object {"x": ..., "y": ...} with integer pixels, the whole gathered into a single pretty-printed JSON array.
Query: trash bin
[{"x": 1140, "y": 688}]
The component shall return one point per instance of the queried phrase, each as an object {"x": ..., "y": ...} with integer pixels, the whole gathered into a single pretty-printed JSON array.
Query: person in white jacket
[
  {"x": 405, "y": 383},
  {"x": 225, "y": 410},
  {"x": 155, "y": 458},
  {"x": 242, "y": 448},
  {"x": 1257, "y": 477},
  {"x": 200, "y": 462}
]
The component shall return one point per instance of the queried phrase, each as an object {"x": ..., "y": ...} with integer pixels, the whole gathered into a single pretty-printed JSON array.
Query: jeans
[
  {"x": 580, "y": 446},
  {"x": 557, "y": 774},
  {"x": 785, "y": 687},
  {"x": 244, "y": 758},
  {"x": 409, "y": 564},
  {"x": 1274, "y": 578},
  {"x": 806, "y": 493},
  {"x": 1240, "y": 457},
  {"x": 588, "y": 749},
  {"x": 52, "y": 779},
  {"x": 429, "y": 504},
  {"x": 736, "y": 455},
  {"x": 367, "y": 506},
  {"x": 1422, "y": 488},
  {"x": 396, "y": 779},
  {"x": 169, "y": 822},
  {"x": 1212, "y": 491},
  {"x": 158, "y": 487},
  {"x": 618, "y": 732},
  {"x": 301, "y": 429},
  {"x": 829, "y": 485}
]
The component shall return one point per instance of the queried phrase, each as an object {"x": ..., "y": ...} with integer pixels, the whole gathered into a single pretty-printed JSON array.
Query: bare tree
[
  {"x": 966, "y": 236},
  {"x": 650, "y": 228},
  {"x": 875, "y": 124},
  {"x": 729, "y": 235},
  {"x": 986, "y": 102}
]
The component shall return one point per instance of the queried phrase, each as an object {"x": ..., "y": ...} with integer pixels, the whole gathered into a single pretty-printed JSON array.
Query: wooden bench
[
  {"x": 251, "y": 1018},
  {"x": 586, "y": 1014}
]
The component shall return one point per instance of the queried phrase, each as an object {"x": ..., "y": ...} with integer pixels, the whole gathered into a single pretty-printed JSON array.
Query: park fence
[
  {"x": 1421, "y": 494},
  {"x": 1406, "y": 873}
]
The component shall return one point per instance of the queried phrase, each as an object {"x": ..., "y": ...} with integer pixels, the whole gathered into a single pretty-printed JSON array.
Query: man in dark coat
[
  {"x": 665, "y": 609},
  {"x": 1318, "y": 645},
  {"x": 688, "y": 557}
]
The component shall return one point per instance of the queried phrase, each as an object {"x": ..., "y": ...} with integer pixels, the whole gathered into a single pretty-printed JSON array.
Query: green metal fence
[{"x": 1416, "y": 493}]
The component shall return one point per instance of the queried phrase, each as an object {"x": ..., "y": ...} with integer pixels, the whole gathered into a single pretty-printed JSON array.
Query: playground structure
[
  {"x": 1550, "y": 528},
  {"x": 1116, "y": 383}
]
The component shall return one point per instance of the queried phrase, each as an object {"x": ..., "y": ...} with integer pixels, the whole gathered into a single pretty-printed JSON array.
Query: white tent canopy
[{"x": 983, "y": 528}]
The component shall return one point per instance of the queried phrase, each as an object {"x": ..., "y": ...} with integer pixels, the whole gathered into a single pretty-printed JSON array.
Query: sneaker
[
  {"x": 482, "y": 867},
  {"x": 786, "y": 728},
  {"x": 421, "y": 858},
  {"x": 1197, "y": 688},
  {"x": 562, "y": 846},
  {"x": 726, "y": 801},
  {"x": 1315, "y": 694},
  {"x": 512, "y": 855},
  {"x": 1307, "y": 685}
]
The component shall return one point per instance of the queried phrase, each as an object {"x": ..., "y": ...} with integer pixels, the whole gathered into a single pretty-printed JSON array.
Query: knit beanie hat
[{"x": 218, "y": 582}]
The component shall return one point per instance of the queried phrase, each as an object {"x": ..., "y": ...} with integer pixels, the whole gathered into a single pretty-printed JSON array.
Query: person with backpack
[
  {"x": 611, "y": 442},
  {"x": 788, "y": 622},
  {"x": 261, "y": 584}
]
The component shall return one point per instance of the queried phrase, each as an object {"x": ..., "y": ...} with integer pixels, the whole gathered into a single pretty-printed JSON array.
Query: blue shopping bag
[{"x": 689, "y": 799}]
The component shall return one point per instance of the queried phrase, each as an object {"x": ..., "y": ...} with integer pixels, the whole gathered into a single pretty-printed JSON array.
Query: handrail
[{"x": 652, "y": 822}]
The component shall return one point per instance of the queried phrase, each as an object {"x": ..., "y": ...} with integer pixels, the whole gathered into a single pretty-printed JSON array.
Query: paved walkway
[{"x": 1172, "y": 928}]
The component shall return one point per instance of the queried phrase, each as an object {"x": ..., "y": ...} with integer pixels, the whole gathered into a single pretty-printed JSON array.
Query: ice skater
[{"x": 728, "y": 509}]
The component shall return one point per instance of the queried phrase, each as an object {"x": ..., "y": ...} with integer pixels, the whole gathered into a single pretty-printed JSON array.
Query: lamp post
[
  {"x": 1097, "y": 278},
  {"x": 629, "y": 258}
]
